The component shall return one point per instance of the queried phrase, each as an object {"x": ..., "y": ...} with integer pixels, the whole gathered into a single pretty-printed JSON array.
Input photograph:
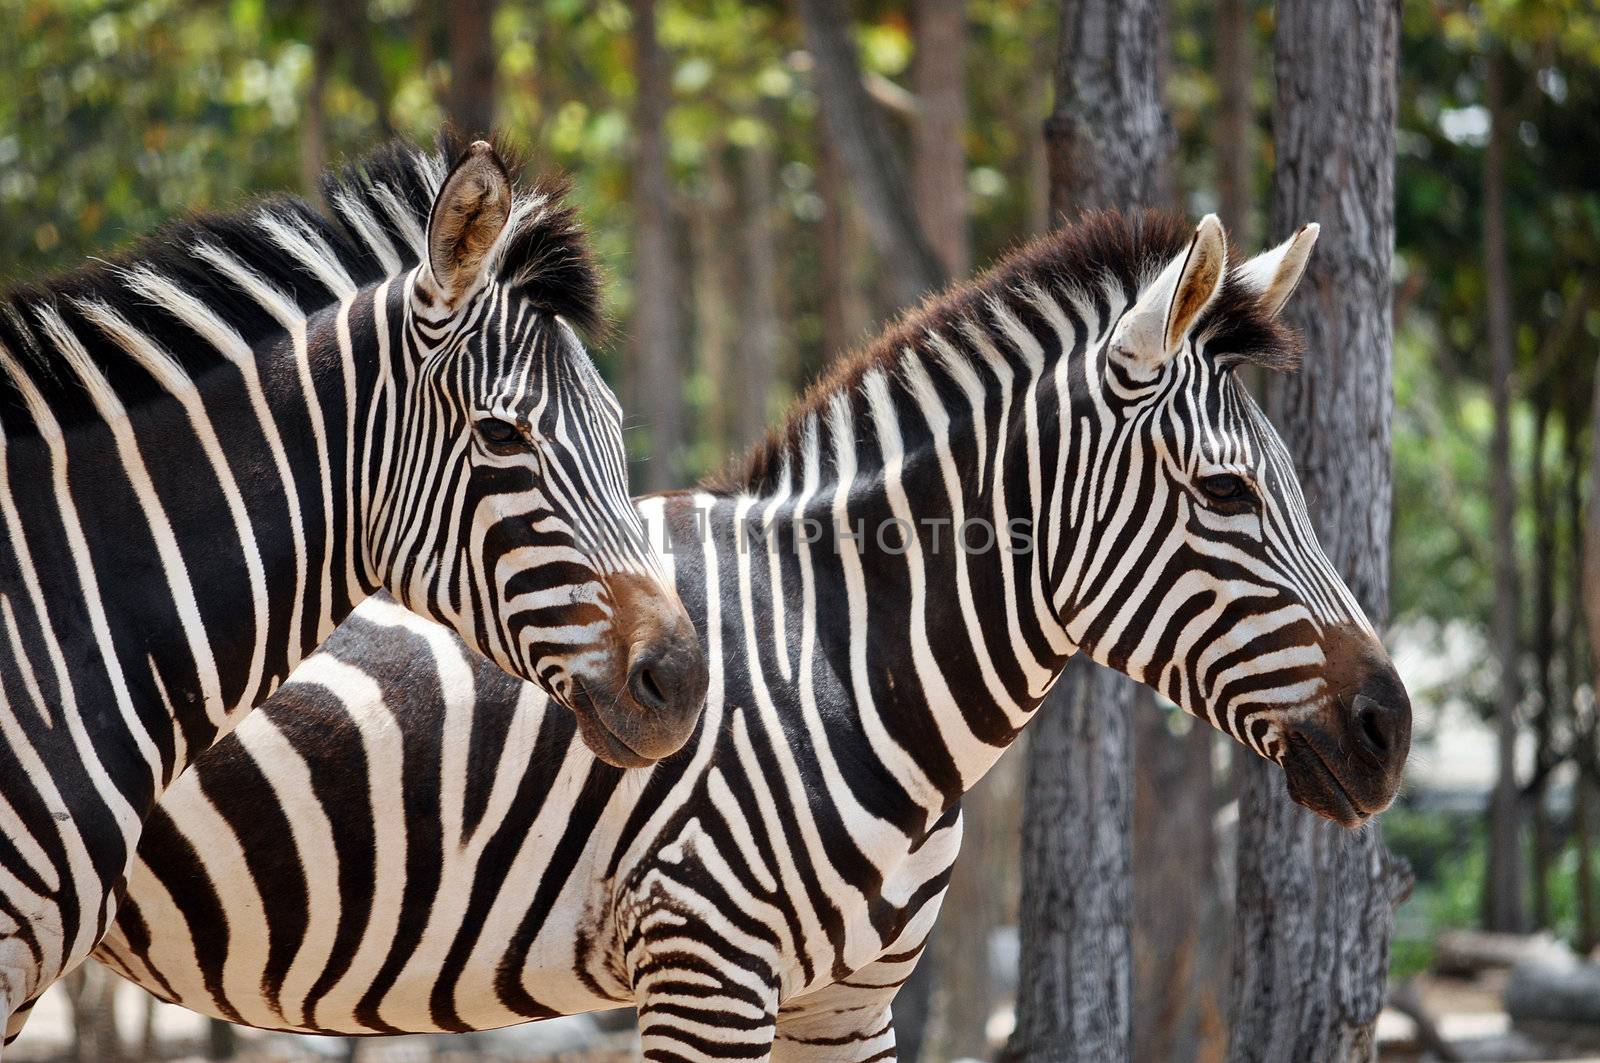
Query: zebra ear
[
  {"x": 1155, "y": 328},
  {"x": 467, "y": 216},
  {"x": 1272, "y": 275}
]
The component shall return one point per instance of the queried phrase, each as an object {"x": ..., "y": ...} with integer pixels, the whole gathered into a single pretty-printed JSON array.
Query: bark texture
[
  {"x": 469, "y": 31},
  {"x": 1504, "y": 909},
  {"x": 1106, "y": 144},
  {"x": 1316, "y": 903},
  {"x": 876, "y": 173},
  {"x": 1179, "y": 926},
  {"x": 654, "y": 388},
  {"x": 1076, "y": 969},
  {"x": 1108, "y": 138}
]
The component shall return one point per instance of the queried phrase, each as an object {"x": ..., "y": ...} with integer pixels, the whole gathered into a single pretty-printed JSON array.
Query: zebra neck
[
  {"x": 194, "y": 538},
  {"x": 908, "y": 555}
]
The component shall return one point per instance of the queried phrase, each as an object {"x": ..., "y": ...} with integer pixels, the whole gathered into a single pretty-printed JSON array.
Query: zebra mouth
[
  {"x": 1314, "y": 784},
  {"x": 602, "y": 740}
]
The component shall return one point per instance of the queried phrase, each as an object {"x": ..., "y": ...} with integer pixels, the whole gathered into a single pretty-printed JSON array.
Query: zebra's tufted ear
[
  {"x": 468, "y": 214},
  {"x": 1155, "y": 328},
  {"x": 1274, "y": 274}
]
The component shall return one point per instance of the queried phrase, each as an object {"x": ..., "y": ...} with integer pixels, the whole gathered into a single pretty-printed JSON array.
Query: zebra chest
[{"x": 795, "y": 893}]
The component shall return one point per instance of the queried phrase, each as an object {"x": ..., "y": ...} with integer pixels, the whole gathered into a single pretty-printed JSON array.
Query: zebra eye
[
  {"x": 500, "y": 436},
  {"x": 1225, "y": 488}
]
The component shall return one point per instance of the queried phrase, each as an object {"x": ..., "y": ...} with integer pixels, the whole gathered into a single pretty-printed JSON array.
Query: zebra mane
[
  {"x": 1100, "y": 251},
  {"x": 375, "y": 227}
]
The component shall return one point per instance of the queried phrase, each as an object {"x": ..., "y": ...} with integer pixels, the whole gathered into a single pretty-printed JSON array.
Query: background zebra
[
  {"x": 212, "y": 448},
  {"x": 766, "y": 890}
]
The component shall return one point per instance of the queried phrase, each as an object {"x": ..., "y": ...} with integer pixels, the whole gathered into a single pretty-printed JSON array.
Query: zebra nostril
[
  {"x": 645, "y": 684},
  {"x": 1382, "y": 727}
]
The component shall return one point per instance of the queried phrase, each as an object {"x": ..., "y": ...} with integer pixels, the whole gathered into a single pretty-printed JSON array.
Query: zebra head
[
  {"x": 1240, "y": 617},
  {"x": 510, "y": 470}
]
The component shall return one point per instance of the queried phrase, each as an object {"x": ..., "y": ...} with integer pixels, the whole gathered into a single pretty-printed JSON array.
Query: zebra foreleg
[
  {"x": 15, "y": 1020},
  {"x": 693, "y": 1007},
  {"x": 848, "y": 1021},
  {"x": 17, "y": 972}
]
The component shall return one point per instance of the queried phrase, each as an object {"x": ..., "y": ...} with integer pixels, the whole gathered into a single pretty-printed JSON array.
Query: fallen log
[
  {"x": 1554, "y": 989},
  {"x": 1468, "y": 953}
]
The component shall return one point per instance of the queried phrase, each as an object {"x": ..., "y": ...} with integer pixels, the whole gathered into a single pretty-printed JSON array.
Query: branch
[{"x": 876, "y": 174}]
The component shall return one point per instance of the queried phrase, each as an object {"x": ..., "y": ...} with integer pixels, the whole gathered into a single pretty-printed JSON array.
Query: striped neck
[{"x": 918, "y": 508}]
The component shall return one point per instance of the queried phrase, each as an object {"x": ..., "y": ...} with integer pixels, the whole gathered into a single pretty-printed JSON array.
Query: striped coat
[
  {"x": 212, "y": 448},
  {"x": 1056, "y": 459}
]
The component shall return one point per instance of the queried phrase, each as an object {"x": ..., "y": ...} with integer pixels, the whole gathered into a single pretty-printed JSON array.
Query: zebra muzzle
[{"x": 1346, "y": 761}]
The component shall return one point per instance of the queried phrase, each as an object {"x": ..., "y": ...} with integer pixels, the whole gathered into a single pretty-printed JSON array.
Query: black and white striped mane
[
  {"x": 375, "y": 227},
  {"x": 1100, "y": 251}
]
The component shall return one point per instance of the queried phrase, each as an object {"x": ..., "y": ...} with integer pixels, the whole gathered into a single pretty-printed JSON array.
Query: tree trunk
[
  {"x": 845, "y": 315},
  {"x": 655, "y": 368},
  {"x": 1073, "y": 988},
  {"x": 469, "y": 31},
  {"x": 757, "y": 361},
  {"x": 716, "y": 282},
  {"x": 1179, "y": 929},
  {"x": 1235, "y": 139},
  {"x": 1576, "y": 651},
  {"x": 1108, "y": 139},
  {"x": 1504, "y": 908},
  {"x": 868, "y": 154},
  {"x": 939, "y": 158},
  {"x": 1316, "y": 903},
  {"x": 353, "y": 28},
  {"x": 1545, "y": 839},
  {"x": 314, "y": 124},
  {"x": 1106, "y": 144},
  {"x": 1583, "y": 839},
  {"x": 1591, "y": 541},
  {"x": 91, "y": 992},
  {"x": 222, "y": 1040},
  {"x": 972, "y": 910}
]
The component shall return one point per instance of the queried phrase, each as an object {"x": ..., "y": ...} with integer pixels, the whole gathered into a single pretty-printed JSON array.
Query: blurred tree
[
  {"x": 939, "y": 155},
  {"x": 469, "y": 27},
  {"x": 845, "y": 313},
  {"x": 756, "y": 364},
  {"x": 1505, "y": 910},
  {"x": 654, "y": 391},
  {"x": 869, "y": 156},
  {"x": 1235, "y": 128}
]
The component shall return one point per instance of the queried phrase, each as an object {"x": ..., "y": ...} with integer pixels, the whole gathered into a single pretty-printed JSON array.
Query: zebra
[
  {"x": 213, "y": 447},
  {"x": 763, "y": 892}
]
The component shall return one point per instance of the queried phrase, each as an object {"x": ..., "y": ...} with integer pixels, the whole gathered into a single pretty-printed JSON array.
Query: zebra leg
[
  {"x": 849, "y": 1021},
  {"x": 17, "y": 972},
  {"x": 694, "y": 1008},
  {"x": 17, "y": 1019}
]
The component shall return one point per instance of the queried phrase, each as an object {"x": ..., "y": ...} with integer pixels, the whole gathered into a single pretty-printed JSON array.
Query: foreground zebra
[
  {"x": 211, "y": 449},
  {"x": 766, "y": 890}
]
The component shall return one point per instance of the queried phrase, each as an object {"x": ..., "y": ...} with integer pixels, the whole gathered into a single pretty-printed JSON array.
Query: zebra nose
[
  {"x": 669, "y": 674},
  {"x": 648, "y": 684},
  {"x": 1382, "y": 713}
]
